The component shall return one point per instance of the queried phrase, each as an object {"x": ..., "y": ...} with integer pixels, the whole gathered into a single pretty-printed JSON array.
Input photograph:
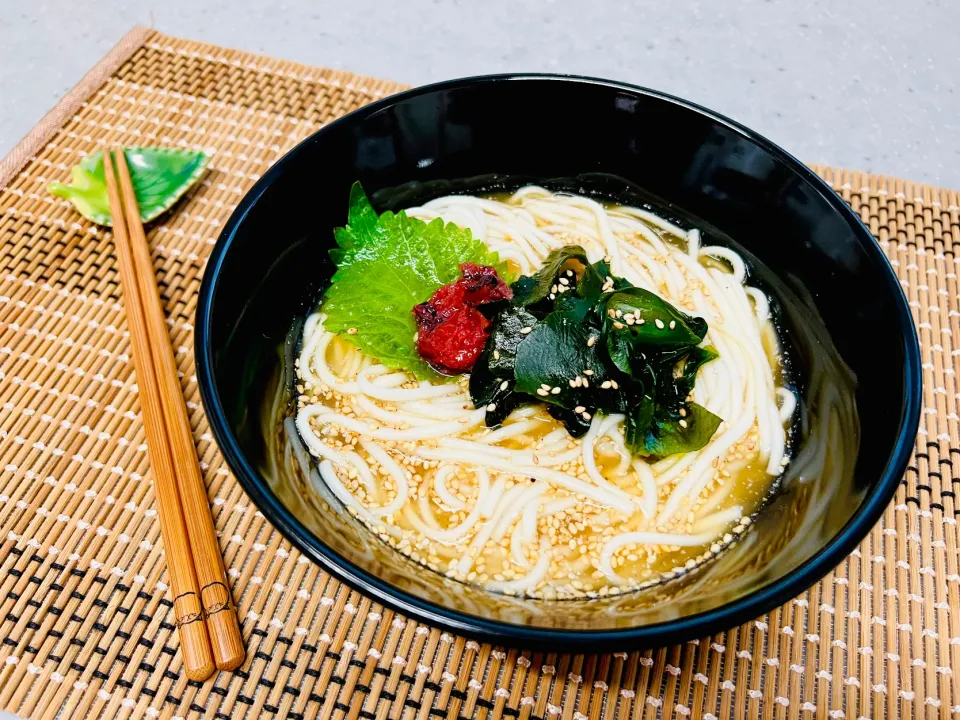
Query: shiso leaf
[{"x": 386, "y": 264}]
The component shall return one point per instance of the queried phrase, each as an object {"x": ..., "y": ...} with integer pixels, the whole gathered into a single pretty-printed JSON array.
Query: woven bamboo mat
[{"x": 85, "y": 616}]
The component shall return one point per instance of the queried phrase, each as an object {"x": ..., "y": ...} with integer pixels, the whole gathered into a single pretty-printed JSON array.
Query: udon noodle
[{"x": 525, "y": 509}]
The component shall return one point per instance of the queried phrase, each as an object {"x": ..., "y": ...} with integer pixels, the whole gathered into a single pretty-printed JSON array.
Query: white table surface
[{"x": 865, "y": 84}]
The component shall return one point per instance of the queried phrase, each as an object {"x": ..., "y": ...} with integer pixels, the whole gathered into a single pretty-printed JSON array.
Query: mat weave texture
[{"x": 85, "y": 616}]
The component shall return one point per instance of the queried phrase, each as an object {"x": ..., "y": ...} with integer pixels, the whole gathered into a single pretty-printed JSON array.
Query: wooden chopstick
[
  {"x": 196, "y": 523},
  {"x": 194, "y": 641},
  {"x": 218, "y": 608}
]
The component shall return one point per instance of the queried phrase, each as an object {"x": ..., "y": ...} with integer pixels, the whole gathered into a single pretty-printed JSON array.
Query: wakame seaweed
[{"x": 585, "y": 342}]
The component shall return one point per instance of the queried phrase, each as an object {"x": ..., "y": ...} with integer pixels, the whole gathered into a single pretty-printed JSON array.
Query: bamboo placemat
[{"x": 85, "y": 615}]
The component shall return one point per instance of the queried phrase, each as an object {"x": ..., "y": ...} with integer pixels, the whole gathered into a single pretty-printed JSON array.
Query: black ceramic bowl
[{"x": 843, "y": 317}]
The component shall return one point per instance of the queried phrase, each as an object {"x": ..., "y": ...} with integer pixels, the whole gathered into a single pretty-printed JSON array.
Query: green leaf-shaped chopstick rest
[{"x": 160, "y": 177}]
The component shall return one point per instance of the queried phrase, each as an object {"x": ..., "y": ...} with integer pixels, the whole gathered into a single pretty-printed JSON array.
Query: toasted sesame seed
[
  {"x": 573, "y": 383},
  {"x": 586, "y": 383},
  {"x": 491, "y": 407},
  {"x": 683, "y": 412},
  {"x": 542, "y": 392},
  {"x": 641, "y": 321},
  {"x": 683, "y": 423},
  {"x": 496, "y": 354},
  {"x": 544, "y": 386},
  {"x": 579, "y": 409},
  {"x": 569, "y": 273},
  {"x": 612, "y": 313},
  {"x": 609, "y": 279},
  {"x": 673, "y": 324},
  {"x": 586, "y": 415},
  {"x": 553, "y": 296},
  {"x": 613, "y": 384},
  {"x": 528, "y": 330},
  {"x": 630, "y": 320},
  {"x": 588, "y": 372},
  {"x": 351, "y": 331},
  {"x": 504, "y": 385},
  {"x": 619, "y": 313},
  {"x": 591, "y": 341},
  {"x": 554, "y": 288},
  {"x": 555, "y": 391},
  {"x": 416, "y": 336},
  {"x": 564, "y": 281},
  {"x": 618, "y": 325},
  {"x": 605, "y": 385},
  {"x": 658, "y": 321}
]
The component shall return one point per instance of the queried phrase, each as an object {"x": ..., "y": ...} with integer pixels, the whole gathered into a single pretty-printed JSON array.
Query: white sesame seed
[
  {"x": 588, "y": 372},
  {"x": 554, "y": 288},
  {"x": 573, "y": 383},
  {"x": 569, "y": 273},
  {"x": 586, "y": 383},
  {"x": 555, "y": 391},
  {"x": 491, "y": 407},
  {"x": 591, "y": 341},
  {"x": 618, "y": 325},
  {"x": 641, "y": 321},
  {"x": 683, "y": 412},
  {"x": 619, "y": 313},
  {"x": 611, "y": 313},
  {"x": 528, "y": 330},
  {"x": 496, "y": 354},
  {"x": 658, "y": 321},
  {"x": 613, "y": 384},
  {"x": 630, "y": 320},
  {"x": 545, "y": 386},
  {"x": 504, "y": 385},
  {"x": 351, "y": 331},
  {"x": 564, "y": 281},
  {"x": 683, "y": 423},
  {"x": 553, "y": 296},
  {"x": 605, "y": 385},
  {"x": 579, "y": 409},
  {"x": 586, "y": 415},
  {"x": 673, "y": 324},
  {"x": 542, "y": 392},
  {"x": 416, "y": 336}
]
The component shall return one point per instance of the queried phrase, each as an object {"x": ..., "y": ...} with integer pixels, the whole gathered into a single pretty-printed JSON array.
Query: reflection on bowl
[{"x": 844, "y": 321}]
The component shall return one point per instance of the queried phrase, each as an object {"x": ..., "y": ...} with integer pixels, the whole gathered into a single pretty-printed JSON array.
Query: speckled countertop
[{"x": 864, "y": 84}]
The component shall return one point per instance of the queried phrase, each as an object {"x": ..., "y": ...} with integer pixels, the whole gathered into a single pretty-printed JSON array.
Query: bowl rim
[{"x": 730, "y": 614}]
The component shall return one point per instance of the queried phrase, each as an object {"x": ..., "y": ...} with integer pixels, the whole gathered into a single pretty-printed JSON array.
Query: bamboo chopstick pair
[{"x": 201, "y": 597}]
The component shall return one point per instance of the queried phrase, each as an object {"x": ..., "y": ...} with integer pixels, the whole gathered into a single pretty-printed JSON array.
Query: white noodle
[
  {"x": 448, "y": 498},
  {"x": 610, "y": 496},
  {"x": 528, "y": 582},
  {"x": 645, "y": 538}
]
